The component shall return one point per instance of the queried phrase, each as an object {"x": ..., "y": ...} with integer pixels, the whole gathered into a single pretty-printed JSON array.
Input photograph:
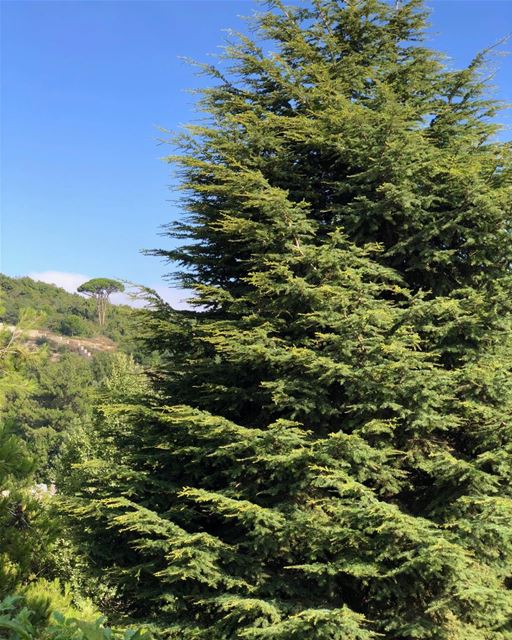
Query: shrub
[
  {"x": 19, "y": 622},
  {"x": 74, "y": 326}
]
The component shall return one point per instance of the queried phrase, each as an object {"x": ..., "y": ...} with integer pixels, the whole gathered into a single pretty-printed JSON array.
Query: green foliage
[
  {"x": 17, "y": 623},
  {"x": 60, "y": 404},
  {"x": 126, "y": 380},
  {"x": 26, "y": 530},
  {"x": 14, "y": 356},
  {"x": 74, "y": 326},
  {"x": 44, "y": 597},
  {"x": 55, "y": 416},
  {"x": 98, "y": 457},
  {"x": 328, "y": 453},
  {"x": 70, "y": 562}
]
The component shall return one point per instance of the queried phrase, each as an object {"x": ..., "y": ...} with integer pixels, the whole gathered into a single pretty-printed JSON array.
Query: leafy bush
[
  {"x": 73, "y": 325},
  {"x": 43, "y": 597},
  {"x": 19, "y": 622},
  {"x": 72, "y": 629}
]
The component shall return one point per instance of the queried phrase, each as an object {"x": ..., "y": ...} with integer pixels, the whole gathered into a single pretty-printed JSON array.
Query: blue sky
[{"x": 86, "y": 84}]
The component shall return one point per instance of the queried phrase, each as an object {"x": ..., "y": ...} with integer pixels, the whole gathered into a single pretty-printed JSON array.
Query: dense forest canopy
[{"x": 323, "y": 448}]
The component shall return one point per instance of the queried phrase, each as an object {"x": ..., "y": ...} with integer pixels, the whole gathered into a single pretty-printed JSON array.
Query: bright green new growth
[
  {"x": 17, "y": 623},
  {"x": 328, "y": 456},
  {"x": 101, "y": 289}
]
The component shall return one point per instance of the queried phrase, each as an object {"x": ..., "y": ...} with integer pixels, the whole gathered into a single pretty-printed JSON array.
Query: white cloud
[
  {"x": 67, "y": 281},
  {"x": 70, "y": 281}
]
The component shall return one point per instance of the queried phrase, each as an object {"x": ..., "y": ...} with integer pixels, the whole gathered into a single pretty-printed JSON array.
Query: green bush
[
  {"x": 19, "y": 622},
  {"x": 72, "y": 629},
  {"x": 73, "y": 325},
  {"x": 43, "y": 597}
]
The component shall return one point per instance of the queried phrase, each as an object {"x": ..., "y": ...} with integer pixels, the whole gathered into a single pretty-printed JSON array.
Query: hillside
[
  {"x": 68, "y": 356},
  {"x": 58, "y": 343},
  {"x": 64, "y": 314}
]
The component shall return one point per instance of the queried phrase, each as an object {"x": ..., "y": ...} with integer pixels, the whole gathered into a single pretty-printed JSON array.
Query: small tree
[
  {"x": 74, "y": 325},
  {"x": 101, "y": 289}
]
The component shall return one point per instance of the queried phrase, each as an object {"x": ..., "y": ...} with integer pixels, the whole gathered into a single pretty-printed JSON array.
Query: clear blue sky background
[{"x": 86, "y": 84}]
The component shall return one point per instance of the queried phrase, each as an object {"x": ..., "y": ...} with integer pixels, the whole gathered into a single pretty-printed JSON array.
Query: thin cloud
[{"x": 63, "y": 279}]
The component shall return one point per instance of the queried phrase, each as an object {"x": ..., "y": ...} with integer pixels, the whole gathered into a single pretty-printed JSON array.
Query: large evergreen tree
[{"x": 329, "y": 452}]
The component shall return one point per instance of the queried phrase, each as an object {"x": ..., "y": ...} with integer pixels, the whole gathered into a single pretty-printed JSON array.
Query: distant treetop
[{"x": 101, "y": 286}]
